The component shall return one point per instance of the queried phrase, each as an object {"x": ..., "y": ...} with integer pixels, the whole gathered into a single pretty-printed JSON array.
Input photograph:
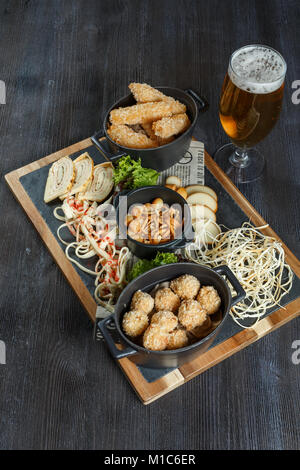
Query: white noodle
[
  {"x": 258, "y": 262},
  {"x": 93, "y": 237},
  {"x": 55, "y": 212}
]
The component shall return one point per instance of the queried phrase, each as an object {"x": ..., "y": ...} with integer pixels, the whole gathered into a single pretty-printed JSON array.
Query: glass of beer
[{"x": 250, "y": 105}]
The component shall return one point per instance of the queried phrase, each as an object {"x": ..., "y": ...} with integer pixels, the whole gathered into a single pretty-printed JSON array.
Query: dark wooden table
[{"x": 64, "y": 63}]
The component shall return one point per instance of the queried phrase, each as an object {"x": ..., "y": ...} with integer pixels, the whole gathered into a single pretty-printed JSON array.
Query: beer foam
[{"x": 257, "y": 69}]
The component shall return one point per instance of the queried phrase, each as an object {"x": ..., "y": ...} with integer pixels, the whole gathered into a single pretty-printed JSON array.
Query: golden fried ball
[
  {"x": 204, "y": 329},
  {"x": 209, "y": 298},
  {"x": 135, "y": 322},
  {"x": 155, "y": 338},
  {"x": 142, "y": 301},
  {"x": 138, "y": 210},
  {"x": 191, "y": 314},
  {"x": 165, "y": 299},
  {"x": 167, "y": 321},
  {"x": 177, "y": 339},
  {"x": 186, "y": 286}
]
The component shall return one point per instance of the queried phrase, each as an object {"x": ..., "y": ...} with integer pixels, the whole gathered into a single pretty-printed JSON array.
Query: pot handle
[
  {"x": 115, "y": 352},
  {"x": 200, "y": 100},
  {"x": 117, "y": 197},
  {"x": 225, "y": 271},
  {"x": 98, "y": 143},
  {"x": 187, "y": 238},
  {"x": 182, "y": 244}
]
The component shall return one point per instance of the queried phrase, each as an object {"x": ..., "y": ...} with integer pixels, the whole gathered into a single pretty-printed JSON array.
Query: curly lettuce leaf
[
  {"x": 140, "y": 267},
  {"x": 144, "y": 265},
  {"x": 144, "y": 177},
  {"x": 132, "y": 175},
  {"x": 165, "y": 258},
  {"x": 124, "y": 169}
]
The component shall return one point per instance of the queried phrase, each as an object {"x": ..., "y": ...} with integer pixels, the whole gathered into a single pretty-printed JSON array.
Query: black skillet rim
[
  {"x": 171, "y": 243},
  {"x": 115, "y": 105},
  {"x": 186, "y": 348}
]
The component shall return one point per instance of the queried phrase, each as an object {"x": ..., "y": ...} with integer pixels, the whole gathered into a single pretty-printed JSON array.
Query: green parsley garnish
[
  {"x": 144, "y": 265},
  {"x": 131, "y": 175}
]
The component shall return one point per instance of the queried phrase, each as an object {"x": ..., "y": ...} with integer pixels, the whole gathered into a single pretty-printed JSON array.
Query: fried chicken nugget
[
  {"x": 142, "y": 301},
  {"x": 170, "y": 126},
  {"x": 164, "y": 320},
  {"x": 155, "y": 338},
  {"x": 146, "y": 112},
  {"x": 135, "y": 322},
  {"x": 124, "y": 135},
  {"x": 166, "y": 299},
  {"x": 144, "y": 93},
  {"x": 186, "y": 286},
  {"x": 177, "y": 339},
  {"x": 191, "y": 314},
  {"x": 209, "y": 298}
]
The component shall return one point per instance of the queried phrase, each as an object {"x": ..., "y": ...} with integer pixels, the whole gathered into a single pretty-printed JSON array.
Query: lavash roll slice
[
  {"x": 101, "y": 185},
  {"x": 60, "y": 179},
  {"x": 84, "y": 167}
]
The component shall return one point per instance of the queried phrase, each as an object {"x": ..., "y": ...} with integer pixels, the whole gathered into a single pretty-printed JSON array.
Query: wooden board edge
[
  {"x": 51, "y": 243},
  {"x": 241, "y": 340},
  {"x": 35, "y": 165},
  {"x": 249, "y": 210},
  {"x": 150, "y": 391}
]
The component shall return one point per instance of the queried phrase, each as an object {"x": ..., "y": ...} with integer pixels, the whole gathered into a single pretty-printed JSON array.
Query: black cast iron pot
[
  {"x": 159, "y": 158},
  {"x": 142, "y": 196},
  {"x": 146, "y": 282}
]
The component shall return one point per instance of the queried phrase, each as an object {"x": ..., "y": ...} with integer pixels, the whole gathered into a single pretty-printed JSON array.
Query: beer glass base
[{"x": 240, "y": 167}]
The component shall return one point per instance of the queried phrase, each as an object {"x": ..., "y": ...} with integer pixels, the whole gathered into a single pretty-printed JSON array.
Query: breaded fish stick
[
  {"x": 127, "y": 137},
  {"x": 146, "y": 112},
  {"x": 169, "y": 126},
  {"x": 147, "y": 126},
  {"x": 144, "y": 93}
]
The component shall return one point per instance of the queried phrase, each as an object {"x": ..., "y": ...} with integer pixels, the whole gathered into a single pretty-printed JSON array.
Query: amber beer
[{"x": 252, "y": 94}]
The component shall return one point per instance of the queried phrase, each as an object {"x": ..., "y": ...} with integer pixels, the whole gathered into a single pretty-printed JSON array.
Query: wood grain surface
[
  {"x": 64, "y": 63},
  {"x": 148, "y": 392}
]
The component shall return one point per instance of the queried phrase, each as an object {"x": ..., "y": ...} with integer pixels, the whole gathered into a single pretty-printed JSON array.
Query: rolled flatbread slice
[
  {"x": 101, "y": 185},
  {"x": 60, "y": 179},
  {"x": 84, "y": 167}
]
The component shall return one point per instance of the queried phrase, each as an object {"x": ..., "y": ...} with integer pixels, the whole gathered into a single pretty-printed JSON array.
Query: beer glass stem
[{"x": 239, "y": 158}]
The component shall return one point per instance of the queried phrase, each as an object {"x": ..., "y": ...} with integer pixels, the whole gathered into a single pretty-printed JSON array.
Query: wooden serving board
[{"x": 150, "y": 391}]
